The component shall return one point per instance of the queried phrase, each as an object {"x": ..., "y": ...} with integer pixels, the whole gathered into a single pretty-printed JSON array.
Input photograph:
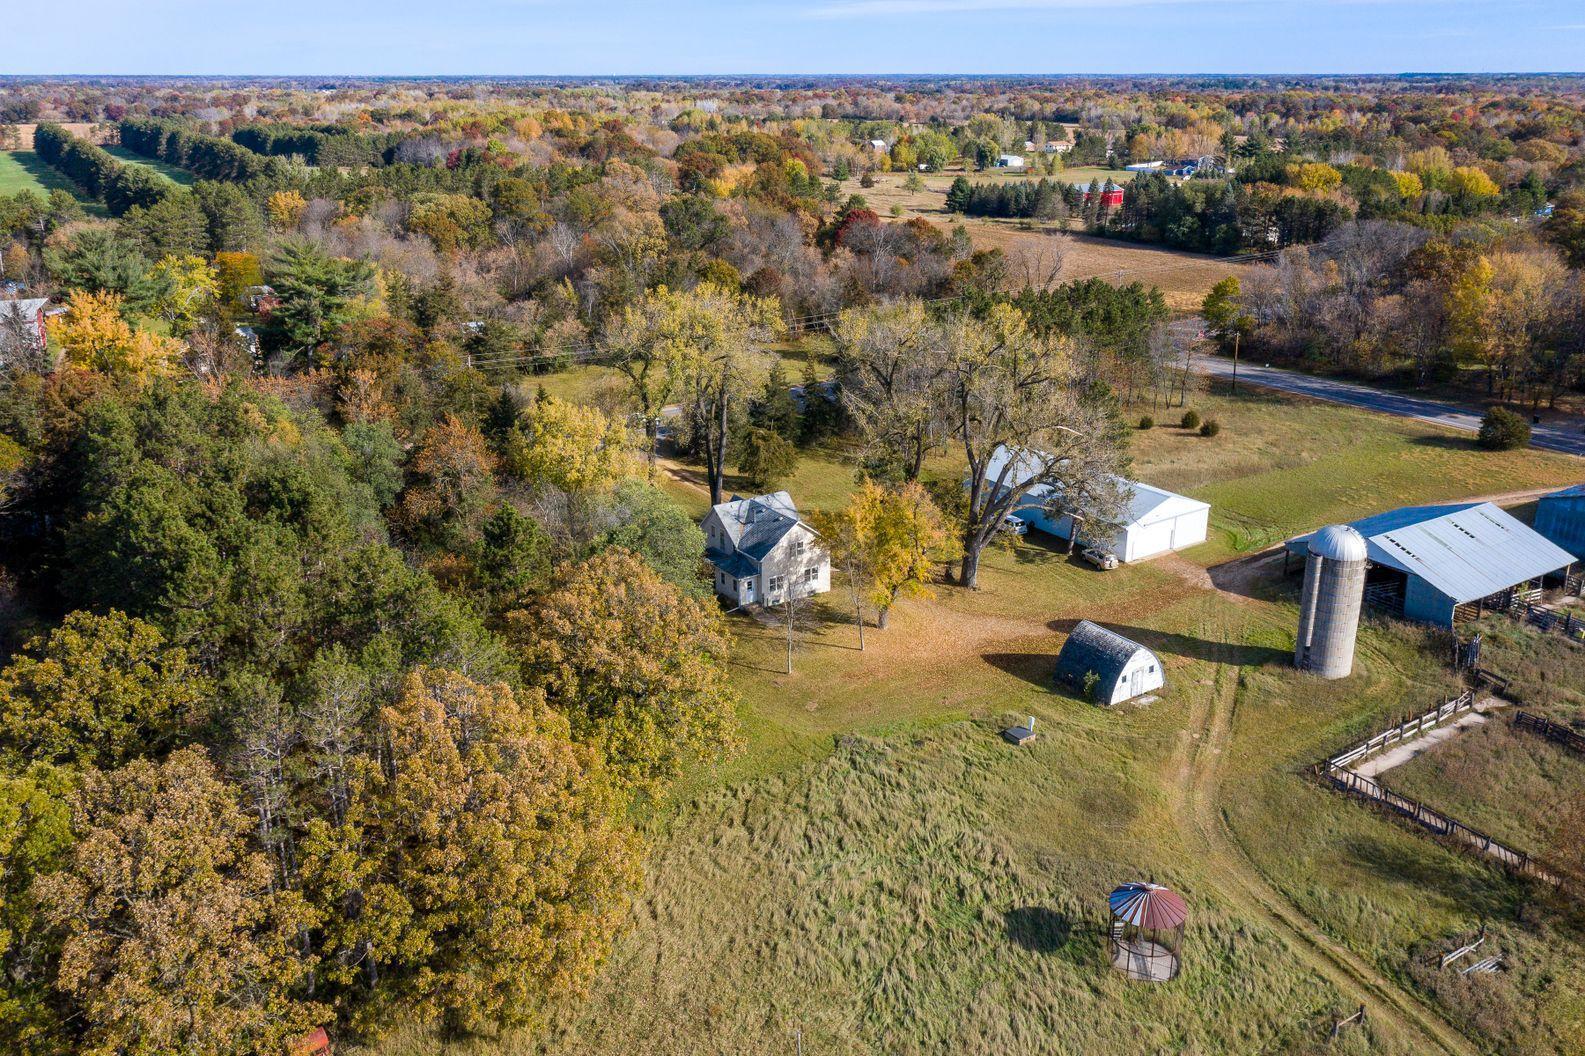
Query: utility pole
[{"x": 1236, "y": 336}]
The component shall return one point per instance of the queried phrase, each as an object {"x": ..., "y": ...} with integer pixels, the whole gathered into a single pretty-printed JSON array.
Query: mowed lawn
[
  {"x": 874, "y": 868},
  {"x": 170, "y": 172},
  {"x": 24, "y": 170}
]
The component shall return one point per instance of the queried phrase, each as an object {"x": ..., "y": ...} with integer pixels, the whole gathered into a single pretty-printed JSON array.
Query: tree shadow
[
  {"x": 1444, "y": 442},
  {"x": 1037, "y": 929},
  {"x": 1038, "y": 669},
  {"x": 1189, "y": 648}
]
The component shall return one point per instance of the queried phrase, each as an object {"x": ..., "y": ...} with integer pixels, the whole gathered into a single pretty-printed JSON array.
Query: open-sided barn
[{"x": 1440, "y": 564}]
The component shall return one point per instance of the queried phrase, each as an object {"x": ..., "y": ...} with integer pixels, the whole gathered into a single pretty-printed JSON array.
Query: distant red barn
[{"x": 1111, "y": 199}]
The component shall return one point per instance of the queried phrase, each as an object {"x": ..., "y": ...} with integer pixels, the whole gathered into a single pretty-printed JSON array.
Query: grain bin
[{"x": 1334, "y": 587}]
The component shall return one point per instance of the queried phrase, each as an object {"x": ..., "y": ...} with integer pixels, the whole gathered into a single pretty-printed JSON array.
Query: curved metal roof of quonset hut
[
  {"x": 1339, "y": 542},
  {"x": 1091, "y": 647},
  {"x": 1146, "y": 905}
]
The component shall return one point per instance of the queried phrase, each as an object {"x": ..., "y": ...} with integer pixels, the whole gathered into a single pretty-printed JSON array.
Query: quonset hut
[
  {"x": 1443, "y": 564},
  {"x": 1122, "y": 668}
]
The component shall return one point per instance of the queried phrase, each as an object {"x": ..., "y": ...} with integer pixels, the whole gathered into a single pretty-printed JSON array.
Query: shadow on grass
[
  {"x": 1489, "y": 894},
  {"x": 1037, "y": 929},
  {"x": 1190, "y": 648},
  {"x": 1446, "y": 443},
  {"x": 1038, "y": 669},
  {"x": 1258, "y": 576}
]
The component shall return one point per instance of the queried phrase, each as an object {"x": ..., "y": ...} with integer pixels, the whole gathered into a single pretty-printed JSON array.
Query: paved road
[{"x": 1548, "y": 437}]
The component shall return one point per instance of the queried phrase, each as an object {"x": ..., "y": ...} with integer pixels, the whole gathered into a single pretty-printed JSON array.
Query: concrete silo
[{"x": 1334, "y": 588}]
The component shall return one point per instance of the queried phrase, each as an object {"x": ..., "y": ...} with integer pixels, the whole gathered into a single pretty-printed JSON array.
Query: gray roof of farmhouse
[
  {"x": 1091, "y": 647},
  {"x": 1464, "y": 550},
  {"x": 755, "y": 525}
]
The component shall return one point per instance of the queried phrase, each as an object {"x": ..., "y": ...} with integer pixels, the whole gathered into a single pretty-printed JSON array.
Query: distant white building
[
  {"x": 1010, "y": 161},
  {"x": 879, "y": 146},
  {"x": 1143, "y": 166},
  {"x": 760, "y": 549},
  {"x": 1155, "y": 521}
]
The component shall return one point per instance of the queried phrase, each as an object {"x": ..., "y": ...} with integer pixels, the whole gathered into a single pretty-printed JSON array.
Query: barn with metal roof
[
  {"x": 1440, "y": 564},
  {"x": 1121, "y": 668},
  {"x": 1560, "y": 517}
]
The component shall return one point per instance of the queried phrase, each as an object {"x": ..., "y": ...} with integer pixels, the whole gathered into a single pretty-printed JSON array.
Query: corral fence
[
  {"x": 1336, "y": 772},
  {"x": 1433, "y": 820},
  {"x": 1406, "y": 730},
  {"x": 1547, "y": 619},
  {"x": 1552, "y": 731}
]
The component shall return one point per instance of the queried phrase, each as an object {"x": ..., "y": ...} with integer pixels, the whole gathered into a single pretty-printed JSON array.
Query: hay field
[{"x": 1184, "y": 278}]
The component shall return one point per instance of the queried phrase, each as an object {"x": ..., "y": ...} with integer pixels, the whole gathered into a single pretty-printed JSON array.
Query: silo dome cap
[{"x": 1339, "y": 542}]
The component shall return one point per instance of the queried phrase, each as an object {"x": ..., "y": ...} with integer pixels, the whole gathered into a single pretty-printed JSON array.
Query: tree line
[
  {"x": 121, "y": 187},
  {"x": 331, "y": 146},
  {"x": 208, "y": 156}
]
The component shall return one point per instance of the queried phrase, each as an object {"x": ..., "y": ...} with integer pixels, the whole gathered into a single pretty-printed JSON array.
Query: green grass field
[
  {"x": 876, "y": 869},
  {"x": 23, "y": 170},
  {"x": 170, "y": 172}
]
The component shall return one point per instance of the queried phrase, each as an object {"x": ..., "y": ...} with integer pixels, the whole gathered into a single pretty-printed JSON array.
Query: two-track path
[{"x": 1197, "y": 796}]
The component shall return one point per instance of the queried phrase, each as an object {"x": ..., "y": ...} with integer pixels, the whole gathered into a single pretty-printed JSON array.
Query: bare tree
[
  {"x": 1014, "y": 407},
  {"x": 891, "y": 364}
]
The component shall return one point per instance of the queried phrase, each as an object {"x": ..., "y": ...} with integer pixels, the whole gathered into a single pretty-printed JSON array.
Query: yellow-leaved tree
[
  {"x": 286, "y": 209},
  {"x": 572, "y": 455},
  {"x": 94, "y": 336},
  {"x": 887, "y": 540},
  {"x": 189, "y": 288},
  {"x": 483, "y": 867}
]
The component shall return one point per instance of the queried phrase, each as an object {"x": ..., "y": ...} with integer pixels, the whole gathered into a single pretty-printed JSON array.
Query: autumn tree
[
  {"x": 483, "y": 866},
  {"x": 453, "y": 483},
  {"x": 891, "y": 364},
  {"x": 888, "y": 540},
  {"x": 94, "y": 336},
  {"x": 97, "y": 691},
  {"x": 633, "y": 662},
  {"x": 174, "y": 938},
  {"x": 701, "y": 348},
  {"x": 189, "y": 289},
  {"x": 572, "y": 454}
]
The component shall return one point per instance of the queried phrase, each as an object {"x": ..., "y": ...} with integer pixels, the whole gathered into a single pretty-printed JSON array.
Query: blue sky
[{"x": 552, "y": 37}]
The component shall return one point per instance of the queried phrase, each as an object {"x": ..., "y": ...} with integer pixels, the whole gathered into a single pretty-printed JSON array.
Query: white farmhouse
[
  {"x": 1154, "y": 520},
  {"x": 760, "y": 549}
]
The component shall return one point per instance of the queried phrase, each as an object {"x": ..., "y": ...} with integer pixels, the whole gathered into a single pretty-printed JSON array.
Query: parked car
[
  {"x": 1101, "y": 558},
  {"x": 1015, "y": 525}
]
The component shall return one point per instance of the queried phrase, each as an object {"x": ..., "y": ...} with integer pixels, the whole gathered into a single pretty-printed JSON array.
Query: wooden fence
[
  {"x": 1552, "y": 731},
  {"x": 1435, "y": 821},
  {"x": 1405, "y": 730},
  {"x": 1335, "y": 772},
  {"x": 1552, "y": 620}
]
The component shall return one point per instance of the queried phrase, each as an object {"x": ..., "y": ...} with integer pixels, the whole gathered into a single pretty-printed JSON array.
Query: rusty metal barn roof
[{"x": 1146, "y": 905}]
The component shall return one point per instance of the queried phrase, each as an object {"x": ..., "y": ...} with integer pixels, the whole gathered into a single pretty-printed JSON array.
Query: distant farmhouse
[
  {"x": 761, "y": 549},
  {"x": 1107, "y": 667},
  {"x": 1155, "y": 521},
  {"x": 1445, "y": 564},
  {"x": 1010, "y": 161}
]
